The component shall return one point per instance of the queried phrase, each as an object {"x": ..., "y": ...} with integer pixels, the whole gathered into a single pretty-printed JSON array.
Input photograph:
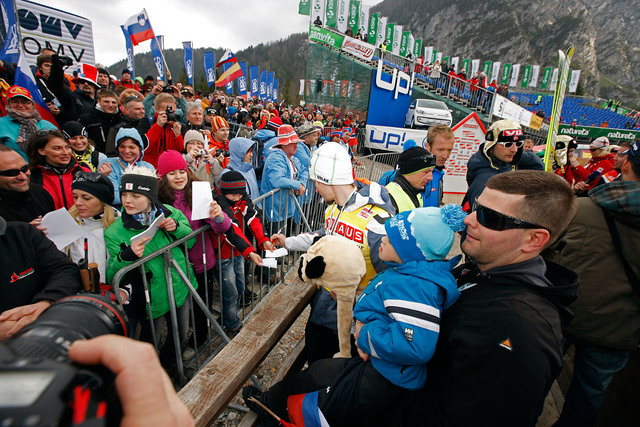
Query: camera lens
[{"x": 73, "y": 318}]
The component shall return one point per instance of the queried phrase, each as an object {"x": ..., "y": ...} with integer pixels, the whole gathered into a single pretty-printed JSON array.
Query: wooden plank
[{"x": 209, "y": 392}]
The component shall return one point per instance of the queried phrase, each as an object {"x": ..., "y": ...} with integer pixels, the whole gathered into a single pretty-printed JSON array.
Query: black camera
[
  {"x": 167, "y": 89},
  {"x": 223, "y": 152},
  {"x": 39, "y": 385},
  {"x": 171, "y": 115},
  {"x": 65, "y": 60}
]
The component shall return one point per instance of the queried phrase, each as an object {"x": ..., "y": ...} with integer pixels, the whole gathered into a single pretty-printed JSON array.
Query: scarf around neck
[{"x": 28, "y": 125}]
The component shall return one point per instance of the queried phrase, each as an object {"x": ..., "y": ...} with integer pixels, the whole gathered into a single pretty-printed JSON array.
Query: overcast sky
[{"x": 233, "y": 24}]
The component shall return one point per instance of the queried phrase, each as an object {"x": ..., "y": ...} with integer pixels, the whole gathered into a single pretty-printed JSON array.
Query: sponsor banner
[
  {"x": 270, "y": 77},
  {"x": 486, "y": 67},
  {"x": 321, "y": 35},
  {"x": 156, "y": 51},
  {"x": 317, "y": 10},
  {"x": 397, "y": 36},
  {"x": 364, "y": 21},
  {"x": 358, "y": 48},
  {"x": 536, "y": 122},
  {"x": 390, "y": 138},
  {"x": 515, "y": 73},
  {"x": 466, "y": 64},
  {"x": 382, "y": 30},
  {"x": 129, "y": 46},
  {"x": 475, "y": 66},
  {"x": 254, "y": 84},
  {"x": 428, "y": 55},
  {"x": 417, "y": 49},
  {"x": 209, "y": 67},
  {"x": 596, "y": 132},
  {"x": 43, "y": 26},
  {"x": 506, "y": 72},
  {"x": 410, "y": 42},
  {"x": 404, "y": 43},
  {"x": 354, "y": 16},
  {"x": 304, "y": 7},
  {"x": 526, "y": 75},
  {"x": 495, "y": 71},
  {"x": 554, "y": 80},
  {"x": 342, "y": 17},
  {"x": 454, "y": 63},
  {"x": 330, "y": 13},
  {"x": 11, "y": 47},
  {"x": 373, "y": 29},
  {"x": 573, "y": 82},
  {"x": 469, "y": 134},
  {"x": 389, "y": 31},
  {"x": 263, "y": 85},
  {"x": 187, "y": 48},
  {"x": 546, "y": 78},
  {"x": 506, "y": 109},
  {"x": 390, "y": 97},
  {"x": 438, "y": 56},
  {"x": 301, "y": 92},
  {"x": 229, "y": 86},
  {"x": 275, "y": 90},
  {"x": 535, "y": 73},
  {"x": 242, "y": 80}
]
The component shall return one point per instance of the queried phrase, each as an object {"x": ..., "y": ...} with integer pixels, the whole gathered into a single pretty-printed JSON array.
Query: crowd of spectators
[{"x": 123, "y": 155}]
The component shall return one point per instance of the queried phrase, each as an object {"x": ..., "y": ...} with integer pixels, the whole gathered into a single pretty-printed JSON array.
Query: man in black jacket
[
  {"x": 19, "y": 199},
  {"x": 500, "y": 344},
  {"x": 35, "y": 276},
  {"x": 102, "y": 118}
]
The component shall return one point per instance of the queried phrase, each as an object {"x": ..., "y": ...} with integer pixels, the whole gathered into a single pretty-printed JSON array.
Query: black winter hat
[
  {"x": 71, "y": 129},
  {"x": 95, "y": 184},
  {"x": 232, "y": 182},
  {"x": 415, "y": 159},
  {"x": 141, "y": 184}
]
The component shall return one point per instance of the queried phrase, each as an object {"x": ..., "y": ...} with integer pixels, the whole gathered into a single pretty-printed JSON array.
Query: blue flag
[
  {"x": 209, "y": 67},
  {"x": 187, "y": 48},
  {"x": 254, "y": 71},
  {"x": 270, "y": 77},
  {"x": 156, "y": 51},
  {"x": 275, "y": 90},
  {"x": 11, "y": 48},
  {"x": 129, "y": 45},
  {"x": 242, "y": 80},
  {"x": 263, "y": 85},
  {"x": 228, "y": 86}
]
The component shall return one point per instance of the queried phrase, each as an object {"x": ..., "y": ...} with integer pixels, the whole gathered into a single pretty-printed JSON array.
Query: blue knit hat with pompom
[{"x": 425, "y": 233}]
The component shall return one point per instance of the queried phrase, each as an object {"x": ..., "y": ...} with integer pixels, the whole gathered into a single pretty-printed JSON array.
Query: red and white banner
[
  {"x": 469, "y": 134},
  {"x": 358, "y": 48}
]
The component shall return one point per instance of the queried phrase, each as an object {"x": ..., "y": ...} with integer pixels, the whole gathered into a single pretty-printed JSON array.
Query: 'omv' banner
[
  {"x": 254, "y": 84},
  {"x": 187, "y": 48},
  {"x": 209, "y": 67}
]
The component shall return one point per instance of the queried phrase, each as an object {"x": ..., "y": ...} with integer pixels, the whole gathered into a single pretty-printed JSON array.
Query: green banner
[
  {"x": 388, "y": 36},
  {"x": 546, "y": 78},
  {"x": 506, "y": 73},
  {"x": 321, "y": 35},
  {"x": 404, "y": 43},
  {"x": 526, "y": 75},
  {"x": 330, "y": 13},
  {"x": 466, "y": 64},
  {"x": 445, "y": 60},
  {"x": 304, "y": 7},
  {"x": 596, "y": 132},
  {"x": 435, "y": 56},
  {"x": 373, "y": 28},
  {"x": 354, "y": 16},
  {"x": 417, "y": 49},
  {"x": 486, "y": 67}
]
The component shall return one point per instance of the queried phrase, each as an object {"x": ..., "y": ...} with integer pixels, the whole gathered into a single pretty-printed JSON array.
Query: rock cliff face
[{"x": 603, "y": 32}]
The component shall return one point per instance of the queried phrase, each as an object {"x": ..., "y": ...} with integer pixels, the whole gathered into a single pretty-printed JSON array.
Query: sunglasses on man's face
[
  {"x": 497, "y": 221},
  {"x": 509, "y": 144},
  {"x": 15, "y": 172}
]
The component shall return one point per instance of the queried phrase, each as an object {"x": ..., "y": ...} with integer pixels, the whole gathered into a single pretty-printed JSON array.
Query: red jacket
[
  {"x": 566, "y": 173},
  {"x": 58, "y": 185},
  {"x": 161, "y": 140},
  {"x": 244, "y": 219},
  {"x": 593, "y": 170}
]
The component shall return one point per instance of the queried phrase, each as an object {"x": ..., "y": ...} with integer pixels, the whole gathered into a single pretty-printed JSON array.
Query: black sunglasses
[
  {"x": 495, "y": 220},
  {"x": 15, "y": 172}
]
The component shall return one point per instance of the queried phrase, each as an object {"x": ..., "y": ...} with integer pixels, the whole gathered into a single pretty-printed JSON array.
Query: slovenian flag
[
  {"x": 304, "y": 412},
  {"x": 139, "y": 28},
  {"x": 24, "y": 78},
  {"x": 232, "y": 72}
]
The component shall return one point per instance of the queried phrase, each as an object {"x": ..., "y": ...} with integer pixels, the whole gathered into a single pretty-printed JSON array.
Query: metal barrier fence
[{"x": 207, "y": 304}]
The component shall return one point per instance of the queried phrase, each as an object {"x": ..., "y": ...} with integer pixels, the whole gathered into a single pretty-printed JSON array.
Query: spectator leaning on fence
[{"x": 139, "y": 195}]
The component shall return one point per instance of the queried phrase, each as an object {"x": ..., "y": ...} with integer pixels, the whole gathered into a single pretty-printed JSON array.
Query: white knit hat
[{"x": 331, "y": 165}]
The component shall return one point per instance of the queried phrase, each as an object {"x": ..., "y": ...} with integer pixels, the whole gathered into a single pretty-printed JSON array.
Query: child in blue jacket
[{"x": 397, "y": 325}]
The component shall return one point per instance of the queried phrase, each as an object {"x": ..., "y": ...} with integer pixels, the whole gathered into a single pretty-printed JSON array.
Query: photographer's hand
[
  {"x": 162, "y": 119},
  {"x": 145, "y": 391}
]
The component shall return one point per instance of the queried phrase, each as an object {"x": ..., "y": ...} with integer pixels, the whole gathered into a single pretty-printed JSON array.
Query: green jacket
[
  {"x": 607, "y": 311},
  {"x": 118, "y": 239}
]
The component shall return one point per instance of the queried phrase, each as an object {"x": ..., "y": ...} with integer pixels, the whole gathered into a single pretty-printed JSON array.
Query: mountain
[
  {"x": 607, "y": 46},
  {"x": 286, "y": 57}
]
